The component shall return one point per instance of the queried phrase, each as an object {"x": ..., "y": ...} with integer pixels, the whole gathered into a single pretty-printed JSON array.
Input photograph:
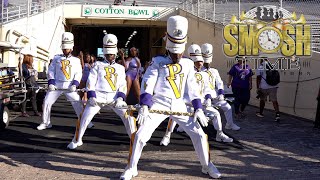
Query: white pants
[
  {"x": 90, "y": 111},
  {"x": 226, "y": 108},
  {"x": 52, "y": 96},
  {"x": 210, "y": 112},
  {"x": 144, "y": 133}
]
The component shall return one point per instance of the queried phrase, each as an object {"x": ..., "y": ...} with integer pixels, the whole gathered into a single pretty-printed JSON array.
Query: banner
[{"x": 113, "y": 11}]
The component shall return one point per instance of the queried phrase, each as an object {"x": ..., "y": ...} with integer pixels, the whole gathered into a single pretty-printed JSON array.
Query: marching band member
[
  {"x": 64, "y": 73},
  {"x": 106, "y": 86},
  {"x": 215, "y": 80},
  {"x": 206, "y": 93},
  {"x": 162, "y": 88}
]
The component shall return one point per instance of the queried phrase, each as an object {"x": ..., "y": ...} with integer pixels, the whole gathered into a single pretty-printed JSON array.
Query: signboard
[{"x": 112, "y": 11}]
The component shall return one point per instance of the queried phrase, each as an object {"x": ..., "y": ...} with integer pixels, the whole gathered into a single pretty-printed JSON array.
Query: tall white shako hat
[
  {"x": 206, "y": 50},
  {"x": 194, "y": 52},
  {"x": 176, "y": 36},
  {"x": 110, "y": 42},
  {"x": 67, "y": 40}
]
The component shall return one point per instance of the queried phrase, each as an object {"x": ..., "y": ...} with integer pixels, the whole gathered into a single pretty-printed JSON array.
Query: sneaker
[
  {"x": 43, "y": 126},
  {"x": 90, "y": 125},
  {"x": 277, "y": 119},
  {"x": 129, "y": 173},
  {"x": 221, "y": 137},
  {"x": 211, "y": 170},
  {"x": 165, "y": 140},
  {"x": 232, "y": 126},
  {"x": 259, "y": 114},
  {"x": 74, "y": 145}
]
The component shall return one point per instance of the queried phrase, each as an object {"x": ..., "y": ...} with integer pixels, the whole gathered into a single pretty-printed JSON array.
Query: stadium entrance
[{"x": 148, "y": 40}]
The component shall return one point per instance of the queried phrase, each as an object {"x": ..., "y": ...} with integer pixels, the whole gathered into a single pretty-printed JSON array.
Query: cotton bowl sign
[{"x": 134, "y": 12}]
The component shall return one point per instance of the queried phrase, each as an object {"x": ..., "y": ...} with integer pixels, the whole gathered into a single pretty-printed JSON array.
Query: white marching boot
[
  {"x": 166, "y": 139},
  {"x": 221, "y": 137},
  {"x": 211, "y": 170}
]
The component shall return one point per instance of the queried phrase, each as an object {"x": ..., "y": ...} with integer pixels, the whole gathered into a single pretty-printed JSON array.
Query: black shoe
[{"x": 277, "y": 119}]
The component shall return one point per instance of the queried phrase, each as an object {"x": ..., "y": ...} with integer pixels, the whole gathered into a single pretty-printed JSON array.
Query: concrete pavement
[{"x": 263, "y": 149}]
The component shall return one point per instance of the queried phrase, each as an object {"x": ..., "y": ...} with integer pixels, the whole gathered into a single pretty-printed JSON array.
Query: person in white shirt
[
  {"x": 64, "y": 75},
  {"x": 106, "y": 86},
  {"x": 264, "y": 90},
  {"x": 162, "y": 88}
]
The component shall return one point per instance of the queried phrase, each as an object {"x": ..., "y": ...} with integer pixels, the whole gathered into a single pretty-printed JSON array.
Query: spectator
[
  {"x": 134, "y": 3},
  {"x": 30, "y": 75},
  {"x": 240, "y": 79},
  {"x": 317, "y": 120},
  {"x": 265, "y": 88},
  {"x": 117, "y": 2},
  {"x": 121, "y": 57},
  {"x": 93, "y": 59}
]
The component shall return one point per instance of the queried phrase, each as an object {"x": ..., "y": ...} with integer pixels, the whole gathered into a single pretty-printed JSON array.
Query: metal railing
[
  {"x": 217, "y": 11},
  {"x": 151, "y": 3},
  {"x": 18, "y": 9}
]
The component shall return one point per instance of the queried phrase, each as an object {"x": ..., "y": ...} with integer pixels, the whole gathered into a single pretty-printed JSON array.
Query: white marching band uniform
[
  {"x": 63, "y": 73},
  {"x": 217, "y": 98},
  {"x": 162, "y": 88},
  {"x": 206, "y": 93},
  {"x": 106, "y": 86}
]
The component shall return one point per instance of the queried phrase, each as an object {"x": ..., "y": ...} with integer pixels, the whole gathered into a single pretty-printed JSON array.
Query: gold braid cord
[{"x": 132, "y": 108}]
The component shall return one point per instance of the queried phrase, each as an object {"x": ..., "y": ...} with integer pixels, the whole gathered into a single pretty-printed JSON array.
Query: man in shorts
[{"x": 264, "y": 90}]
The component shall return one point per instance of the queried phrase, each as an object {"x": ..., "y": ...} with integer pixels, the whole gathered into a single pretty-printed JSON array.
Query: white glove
[
  {"x": 52, "y": 87},
  {"x": 93, "y": 101},
  {"x": 220, "y": 97},
  {"x": 199, "y": 115},
  {"x": 73, "y": 88},
  {"x": 120, "y": 103},
  {"x": 143, "y": 114},
  {"x": 208, "y": 103}
]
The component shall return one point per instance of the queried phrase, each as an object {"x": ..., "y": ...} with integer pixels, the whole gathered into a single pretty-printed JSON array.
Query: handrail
[{"x": 15, "y": 12}]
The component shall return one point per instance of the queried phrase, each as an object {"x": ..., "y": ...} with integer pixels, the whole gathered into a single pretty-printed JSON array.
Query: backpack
[{"x": 272, "y": 76}]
